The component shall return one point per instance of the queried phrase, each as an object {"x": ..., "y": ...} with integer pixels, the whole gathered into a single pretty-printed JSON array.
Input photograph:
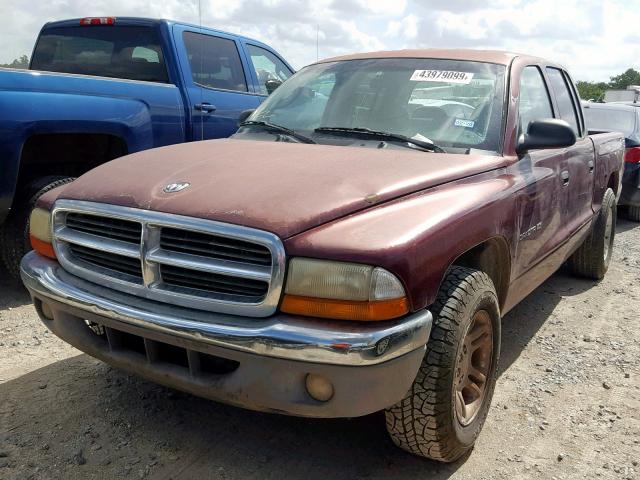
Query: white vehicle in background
[{"x": 630, "y": 95}]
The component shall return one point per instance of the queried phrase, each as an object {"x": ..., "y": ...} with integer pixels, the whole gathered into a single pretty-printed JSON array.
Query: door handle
[
  {"x": 565, "y": 178},
  {"x": 591, "y": 166},
  {"x": 205, "y": 107}
]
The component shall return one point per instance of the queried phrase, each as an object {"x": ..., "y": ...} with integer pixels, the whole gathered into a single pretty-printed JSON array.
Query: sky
[{"x": 593, "y": 39}]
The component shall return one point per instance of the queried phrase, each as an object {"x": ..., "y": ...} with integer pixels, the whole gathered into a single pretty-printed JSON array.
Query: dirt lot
[{"x": 567, "y": 404}]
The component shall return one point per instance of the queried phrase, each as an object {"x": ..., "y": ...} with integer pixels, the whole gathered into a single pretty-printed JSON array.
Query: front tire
[
  {"x": 593, "y": 257},
  {"x": 14, "y": 233},
  {"x": 444, "y": 411}
]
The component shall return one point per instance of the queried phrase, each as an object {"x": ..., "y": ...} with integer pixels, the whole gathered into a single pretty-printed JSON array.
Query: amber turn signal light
[
  {"x": 345, "y": 309},
  {"x": 43, "y": 248}
]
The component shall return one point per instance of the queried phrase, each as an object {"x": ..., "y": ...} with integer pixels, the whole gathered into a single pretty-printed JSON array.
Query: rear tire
[
  {"x": 633, "y": 213},
  {"x": 593, "y": 257},
  {"x": 434, "y": 419},
  {"x": 14, "y": 232}
]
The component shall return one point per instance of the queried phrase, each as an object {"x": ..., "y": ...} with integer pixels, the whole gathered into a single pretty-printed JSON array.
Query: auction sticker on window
[
  {"x": 448, "y": 76},
  {"x": 464, "y": 123}
]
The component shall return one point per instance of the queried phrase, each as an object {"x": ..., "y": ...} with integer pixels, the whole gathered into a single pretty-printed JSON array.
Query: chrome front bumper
[
  {"x": 371, "y": 365},
  {"x": 281, "y": 336}
]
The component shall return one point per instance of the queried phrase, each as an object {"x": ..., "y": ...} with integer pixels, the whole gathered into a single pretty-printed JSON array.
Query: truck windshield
[
  {"x": 127, "y": 52},
  {"x": 455, "y": 104}
]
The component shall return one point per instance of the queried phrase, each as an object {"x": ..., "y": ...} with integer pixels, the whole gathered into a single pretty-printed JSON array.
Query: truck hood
[{"x": 284, "y": 188}]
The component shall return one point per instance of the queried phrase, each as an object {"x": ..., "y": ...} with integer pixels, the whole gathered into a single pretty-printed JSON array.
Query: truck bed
[{"x": 607, "y": 147}]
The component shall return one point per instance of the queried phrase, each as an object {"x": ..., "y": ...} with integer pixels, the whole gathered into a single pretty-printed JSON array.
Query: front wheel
[{"x": 442, "y": 414}]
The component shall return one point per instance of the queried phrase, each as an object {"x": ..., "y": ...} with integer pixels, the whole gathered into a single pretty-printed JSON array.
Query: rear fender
[
  {"x": 59, "y": 114},
  {"x": 609, "y": 158}
]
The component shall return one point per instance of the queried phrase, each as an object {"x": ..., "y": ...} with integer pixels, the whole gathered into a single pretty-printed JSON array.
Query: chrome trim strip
[
  {"x": 80, "y": 76},
  {"x": 281, "y": 336},
  {"x": 223, "y": 267},
  {"x": 95, "y": 242},
  {"x": 150, "y": 270},
  {"x": 152, "y": 256}
]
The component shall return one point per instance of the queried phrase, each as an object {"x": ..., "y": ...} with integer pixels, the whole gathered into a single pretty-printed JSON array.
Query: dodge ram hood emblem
[{"x": 175, "y": 187}]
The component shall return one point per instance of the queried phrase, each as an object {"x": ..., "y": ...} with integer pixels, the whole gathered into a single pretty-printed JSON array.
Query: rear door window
[
  {"x": 575, "y": 96},
  {"x": 215, "y": 62},
  {"x": 267, "y": 67},
  {"x": 127, "y": 52},
  {"x": 564, "y": 99}
]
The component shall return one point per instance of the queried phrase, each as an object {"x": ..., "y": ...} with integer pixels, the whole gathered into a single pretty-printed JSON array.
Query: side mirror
[
  {"x": 245, "y": 114},
  {"x": 271, "y": 85},
  {"x": 548, "y": 133}
]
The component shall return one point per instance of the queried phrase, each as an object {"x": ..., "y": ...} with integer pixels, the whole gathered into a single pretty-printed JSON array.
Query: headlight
[
  {"x": 341, "y": 290},
  {"x": 40, "y": 232}
]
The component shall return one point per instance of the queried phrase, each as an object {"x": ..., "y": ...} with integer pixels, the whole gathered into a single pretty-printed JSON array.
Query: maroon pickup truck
[{"x": 351, "y": 249}]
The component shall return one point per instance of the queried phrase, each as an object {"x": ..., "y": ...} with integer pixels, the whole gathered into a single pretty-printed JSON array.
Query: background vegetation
[
  {"x": 22, "y": 62},
  {"x": 595, "y": 90}
]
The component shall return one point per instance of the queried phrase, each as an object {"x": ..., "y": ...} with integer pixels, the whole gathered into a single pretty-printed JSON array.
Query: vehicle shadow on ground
[
  {"x": 134, "y": 419},
  {"x": 191, "y": 437},
  {"x": 12, "y": 292},
  {"x": 624, "y": 225},
  {"x": 521, "y": 324}
]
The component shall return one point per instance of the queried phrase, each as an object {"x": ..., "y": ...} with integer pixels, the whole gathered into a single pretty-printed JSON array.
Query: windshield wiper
[
  {"x": 272, "y": 127},
  {"x": 426, "y": 144}
]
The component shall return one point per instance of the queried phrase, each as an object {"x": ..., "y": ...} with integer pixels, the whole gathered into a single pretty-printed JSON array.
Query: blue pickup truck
[{"x": 100, "y": 88}]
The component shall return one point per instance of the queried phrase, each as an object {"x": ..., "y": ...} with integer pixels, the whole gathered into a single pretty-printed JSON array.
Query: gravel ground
[{"x": 567, "y": 404}]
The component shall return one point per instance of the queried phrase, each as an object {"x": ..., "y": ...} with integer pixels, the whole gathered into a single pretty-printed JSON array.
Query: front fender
[{"x": 419, "y": 236}]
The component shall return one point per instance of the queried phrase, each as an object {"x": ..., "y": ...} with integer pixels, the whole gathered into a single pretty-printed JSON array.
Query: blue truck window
[
  {"x": 127, "y": 52},
  {"x": 267, "y": 67},
  {"x": 215, "y": 62}
]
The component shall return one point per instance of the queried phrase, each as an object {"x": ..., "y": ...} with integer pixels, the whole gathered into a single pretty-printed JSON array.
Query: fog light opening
[
  {"x": 46, "y": 311},
  {"x": 96, "y": 328},
  {"x": 319, "y": 387}
]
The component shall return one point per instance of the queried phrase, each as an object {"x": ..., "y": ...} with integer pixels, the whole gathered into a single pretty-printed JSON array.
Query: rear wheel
[
  {"x": 14, "y": 232},
  {"x": 443, "y": 413},
  {"x": 633, "y": 213},
  {"x": 593, "y": 257}
]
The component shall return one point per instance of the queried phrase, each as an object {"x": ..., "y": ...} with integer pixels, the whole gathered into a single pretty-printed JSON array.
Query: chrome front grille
[
  {"x": 213, "y": 246},
  {"x": 107, "y": 261},
  {"x": 179, "y": 260},
  {"x": 191, "y": 279},
  {"x": 114, "y": 228}
]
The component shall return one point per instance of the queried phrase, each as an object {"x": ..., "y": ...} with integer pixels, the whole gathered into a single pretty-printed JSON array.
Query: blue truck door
[{"x": 216, "y": 77}]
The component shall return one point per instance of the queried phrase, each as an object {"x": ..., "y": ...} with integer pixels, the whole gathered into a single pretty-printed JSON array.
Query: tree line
[
  {"x": 595, "y": 90},
  {"x": 22, "y": 62},
  {"x": 588, "y": 90}
]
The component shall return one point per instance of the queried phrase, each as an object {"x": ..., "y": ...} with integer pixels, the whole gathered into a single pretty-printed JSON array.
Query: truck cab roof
[
  {"x": 141, "y": 21},
  {"x": 498, "y": 57}
]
